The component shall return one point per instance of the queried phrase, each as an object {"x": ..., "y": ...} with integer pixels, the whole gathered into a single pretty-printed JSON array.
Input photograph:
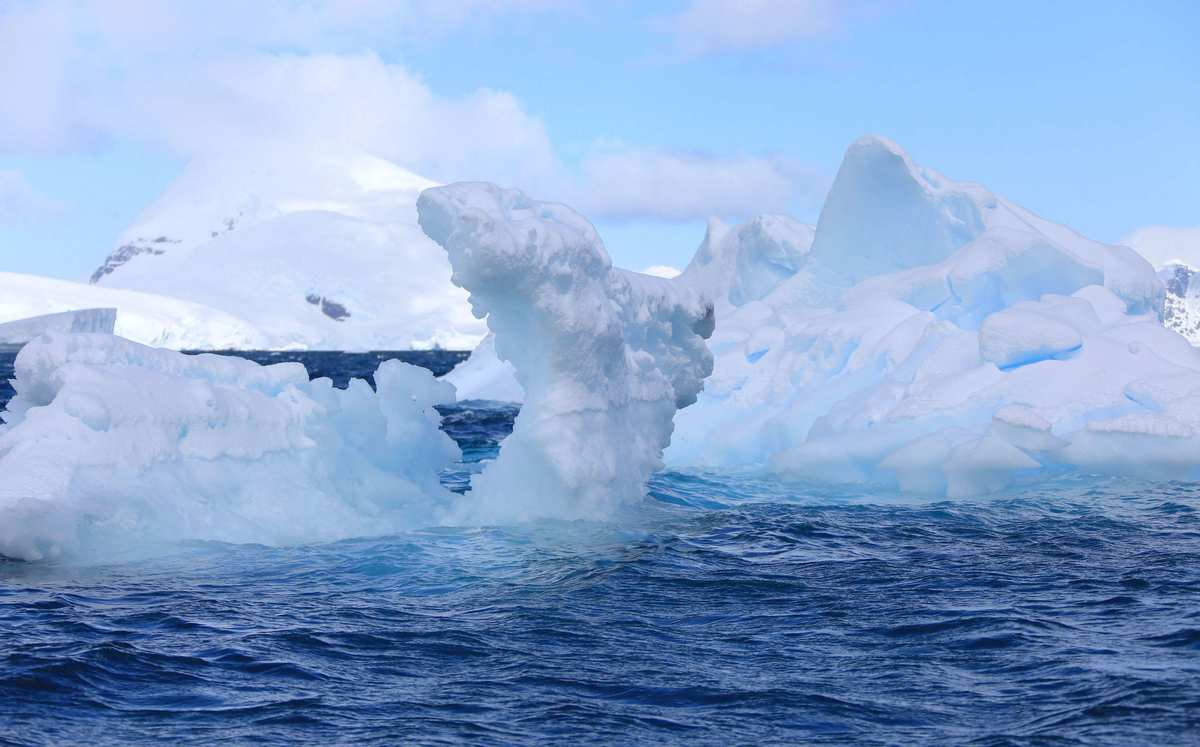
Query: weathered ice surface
[{"x": 605, "y": 357}]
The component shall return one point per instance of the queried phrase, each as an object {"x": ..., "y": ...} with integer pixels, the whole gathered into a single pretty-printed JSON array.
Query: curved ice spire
[{"x": 605, "y": 356}]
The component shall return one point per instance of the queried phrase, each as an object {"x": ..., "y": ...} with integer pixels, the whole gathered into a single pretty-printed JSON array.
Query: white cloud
[
  {"x": 329, "y": 101},
  {"x": 201, "y": 78},
  {"x": 58, "y": 58},
  {"x": 716, "y": 26},
  {"x": 1163, "y": 244},
  {"x": 630, "y": 183},
  {"x": 19, "y": 201}
]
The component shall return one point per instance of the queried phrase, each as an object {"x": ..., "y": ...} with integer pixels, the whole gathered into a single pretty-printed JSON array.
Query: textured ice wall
[
  {"x": 110, "y": 444},
  {"x": 605, "y": 356}
]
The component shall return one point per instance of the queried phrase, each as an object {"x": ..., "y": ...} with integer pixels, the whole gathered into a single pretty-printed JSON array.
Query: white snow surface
[
  {"x": 142, "y": 317},
  {"x": 604, "y": 356},
  {"x": 940, "y": 339},
  {"x": 110, "y": 445},
  {"x": 316, "y": 250}
]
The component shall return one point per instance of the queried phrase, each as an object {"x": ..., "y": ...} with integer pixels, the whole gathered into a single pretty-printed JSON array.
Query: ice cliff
[
  {"x": 20, "y": 331},
  {"x": 604, "y": 356},
  {"x": 142, "y": 317}
]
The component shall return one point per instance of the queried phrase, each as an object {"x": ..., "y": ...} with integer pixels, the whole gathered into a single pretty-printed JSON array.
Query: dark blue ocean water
[{"x": 725, "y": 610}]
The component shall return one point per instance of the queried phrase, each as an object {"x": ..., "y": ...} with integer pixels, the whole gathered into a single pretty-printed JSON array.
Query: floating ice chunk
[
  {"x": 110, "y": 444},
  {"x": 605, "y": 356}
]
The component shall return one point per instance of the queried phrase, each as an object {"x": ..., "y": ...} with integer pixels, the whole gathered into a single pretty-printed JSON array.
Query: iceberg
[
  {"x": 937, "y": 338},
  {"x": 109, "y": 444},
  {"x": 605, "y": 357}
]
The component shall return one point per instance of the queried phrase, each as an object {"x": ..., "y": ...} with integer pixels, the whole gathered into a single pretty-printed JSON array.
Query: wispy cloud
[
  {"x": 626, "y": 183},
  {"x": 705, "y": 27},
  {"x": 19, "y": 201},
  {"x": 63, "y": 61},
  {"x": 1163, "y": 244},
  {"x": 215, "y": 76}
]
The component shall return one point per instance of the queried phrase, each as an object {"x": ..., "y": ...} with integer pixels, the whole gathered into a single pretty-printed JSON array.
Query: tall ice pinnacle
[{"x": 605, "y": 356}]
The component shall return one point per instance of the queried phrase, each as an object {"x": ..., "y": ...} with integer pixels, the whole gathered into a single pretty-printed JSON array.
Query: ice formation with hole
[
  {"x": 109, "y": 444},
  {"x": 604, "y": 356},
  {"x": 939, "y": 339}
]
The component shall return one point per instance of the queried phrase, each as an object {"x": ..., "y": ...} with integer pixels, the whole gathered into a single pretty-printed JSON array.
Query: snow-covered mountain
[
  {"x": 316, "y": 250},
  {"x": 1181, "y": 310},
  {"x": 143, "y": 317}
]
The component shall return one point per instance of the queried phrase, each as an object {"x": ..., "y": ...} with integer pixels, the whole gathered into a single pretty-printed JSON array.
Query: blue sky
[{"x": 648, "y": 116}]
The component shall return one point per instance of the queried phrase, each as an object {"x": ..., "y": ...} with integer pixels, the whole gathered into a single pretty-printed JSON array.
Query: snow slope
[
  {"x": 146, "y": 318},
  {"x": 940, "y": 339},
  {"x": 318, "y": 250}
]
